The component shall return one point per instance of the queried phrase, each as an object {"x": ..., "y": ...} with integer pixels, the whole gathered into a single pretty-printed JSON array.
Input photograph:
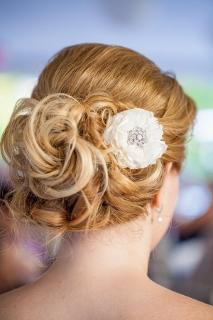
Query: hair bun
[{"x": 46, "y": 152}]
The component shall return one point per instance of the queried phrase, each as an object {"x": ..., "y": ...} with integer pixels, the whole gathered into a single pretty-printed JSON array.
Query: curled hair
[{"x": 64, "y": 177}]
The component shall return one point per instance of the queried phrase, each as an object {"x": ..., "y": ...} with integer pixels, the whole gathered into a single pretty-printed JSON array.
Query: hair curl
[{"x": 64, "y": 177}]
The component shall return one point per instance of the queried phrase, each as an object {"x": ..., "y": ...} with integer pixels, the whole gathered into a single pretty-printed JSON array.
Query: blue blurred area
[{"x": 176, "y": 34}]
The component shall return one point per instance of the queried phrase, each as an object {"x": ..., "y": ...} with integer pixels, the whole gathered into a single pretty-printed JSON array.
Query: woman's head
[{"x": 63, "y": 174}]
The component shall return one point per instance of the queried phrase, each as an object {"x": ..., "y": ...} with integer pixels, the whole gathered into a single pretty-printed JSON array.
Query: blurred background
[{"x": 178, "y": 36}]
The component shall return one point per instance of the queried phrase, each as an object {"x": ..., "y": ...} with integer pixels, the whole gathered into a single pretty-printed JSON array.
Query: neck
[
  {"x": 118, "y": 250},
  {"x": 106, "y": 267}
]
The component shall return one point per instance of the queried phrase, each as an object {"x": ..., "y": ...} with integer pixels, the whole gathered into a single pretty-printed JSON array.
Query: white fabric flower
[{"x": 135, "y": 136}]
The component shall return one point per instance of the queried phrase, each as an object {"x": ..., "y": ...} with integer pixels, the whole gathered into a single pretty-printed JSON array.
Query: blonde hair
[{"x": 64, "y": 177}]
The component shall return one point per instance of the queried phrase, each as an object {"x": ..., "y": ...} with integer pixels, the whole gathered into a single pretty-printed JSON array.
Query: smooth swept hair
[{"x": 63, "y": 175}]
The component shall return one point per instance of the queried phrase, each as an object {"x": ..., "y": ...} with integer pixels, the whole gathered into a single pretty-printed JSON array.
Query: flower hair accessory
[{"x": 135, "y": 136}]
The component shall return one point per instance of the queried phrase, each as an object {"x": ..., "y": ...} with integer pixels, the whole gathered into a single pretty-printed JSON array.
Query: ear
[{"x": 158, "y": 198}]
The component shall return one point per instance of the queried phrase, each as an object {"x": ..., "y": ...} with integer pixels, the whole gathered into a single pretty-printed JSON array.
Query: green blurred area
[{"x": 200, "y": 91}]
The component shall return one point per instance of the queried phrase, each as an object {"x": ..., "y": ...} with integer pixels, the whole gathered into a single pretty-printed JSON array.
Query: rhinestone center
[{"x": 137, "y": 136}]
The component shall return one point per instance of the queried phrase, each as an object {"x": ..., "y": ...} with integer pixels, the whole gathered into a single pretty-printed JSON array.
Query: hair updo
[{"x": 63, "y": 175}]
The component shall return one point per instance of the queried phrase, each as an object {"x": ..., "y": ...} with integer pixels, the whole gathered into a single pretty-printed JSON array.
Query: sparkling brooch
[{"x": 137, "y": 136}]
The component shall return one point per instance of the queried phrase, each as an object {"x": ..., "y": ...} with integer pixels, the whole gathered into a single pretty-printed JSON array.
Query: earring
[{"x": 159, "y": 211}]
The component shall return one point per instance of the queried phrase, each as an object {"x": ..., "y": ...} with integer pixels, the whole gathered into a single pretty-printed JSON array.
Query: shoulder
[
  {"x": 6, "y": 312},
  {"x": 9, "y": 306},
  {"x": 33, "y": 301},
  {"x": 15, "y": 304},
  {"x": 182, "y": 306}
]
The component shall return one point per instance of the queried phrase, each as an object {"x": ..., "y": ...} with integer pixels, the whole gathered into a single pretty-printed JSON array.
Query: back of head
[{"x": 64, "y": 176}]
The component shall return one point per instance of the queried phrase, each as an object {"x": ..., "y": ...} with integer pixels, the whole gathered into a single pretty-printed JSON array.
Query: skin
[{"x": 104, "y": 275}]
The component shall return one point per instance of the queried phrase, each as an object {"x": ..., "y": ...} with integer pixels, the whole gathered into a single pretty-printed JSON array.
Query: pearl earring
[{"x": 159, "y": 211}]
